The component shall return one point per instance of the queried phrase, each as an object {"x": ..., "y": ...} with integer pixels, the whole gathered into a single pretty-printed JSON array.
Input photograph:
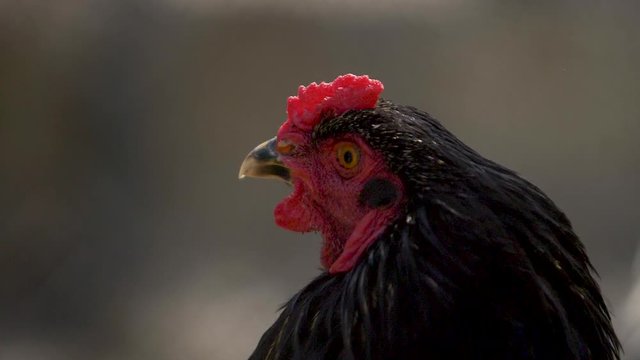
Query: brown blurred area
[{"x": 124, "y": 232}]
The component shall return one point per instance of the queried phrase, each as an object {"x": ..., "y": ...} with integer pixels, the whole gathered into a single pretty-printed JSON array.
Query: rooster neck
[{"x": 417, "y": 295}]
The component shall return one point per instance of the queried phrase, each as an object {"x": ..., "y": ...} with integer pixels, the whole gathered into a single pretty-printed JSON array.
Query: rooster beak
[{"x": 264, "y": 162}]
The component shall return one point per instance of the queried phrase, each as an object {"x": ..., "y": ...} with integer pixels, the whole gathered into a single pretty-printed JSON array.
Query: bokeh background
[{"x": 124, "y": 232}]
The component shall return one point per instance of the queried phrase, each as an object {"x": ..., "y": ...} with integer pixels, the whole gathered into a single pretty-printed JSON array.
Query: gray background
[{"x": 124, "y": 233}]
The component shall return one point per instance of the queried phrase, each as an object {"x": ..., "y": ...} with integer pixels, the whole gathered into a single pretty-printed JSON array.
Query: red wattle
[
  {"x": 293, "y": 213},
  {"x": 365, "y": 233}
]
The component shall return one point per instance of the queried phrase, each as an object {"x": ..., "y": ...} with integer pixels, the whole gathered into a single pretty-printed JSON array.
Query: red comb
[{"x": 346, "y": 92}]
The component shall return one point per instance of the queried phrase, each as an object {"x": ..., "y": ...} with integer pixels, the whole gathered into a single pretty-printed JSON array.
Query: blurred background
[{"x": 124, "y": 232}]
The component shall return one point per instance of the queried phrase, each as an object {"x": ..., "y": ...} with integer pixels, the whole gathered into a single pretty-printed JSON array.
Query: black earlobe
[{"x": 378, "y": 193}]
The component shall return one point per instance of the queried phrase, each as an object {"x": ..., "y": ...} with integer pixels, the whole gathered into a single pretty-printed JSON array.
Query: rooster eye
[{"x": 348, "y": 155}]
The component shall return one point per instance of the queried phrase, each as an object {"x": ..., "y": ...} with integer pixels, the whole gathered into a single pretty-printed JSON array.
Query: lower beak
[{"x": 264, "y": 162}]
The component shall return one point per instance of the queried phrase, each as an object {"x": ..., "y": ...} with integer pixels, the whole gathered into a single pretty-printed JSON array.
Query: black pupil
[{"x": 347, "y": 157}]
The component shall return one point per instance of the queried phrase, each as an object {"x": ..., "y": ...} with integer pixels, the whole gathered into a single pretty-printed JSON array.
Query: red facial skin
[{"x": 325, "y": 198}]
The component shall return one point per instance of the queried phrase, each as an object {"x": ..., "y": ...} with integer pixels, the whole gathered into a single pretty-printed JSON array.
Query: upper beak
[{"x": 264, "y": 162}]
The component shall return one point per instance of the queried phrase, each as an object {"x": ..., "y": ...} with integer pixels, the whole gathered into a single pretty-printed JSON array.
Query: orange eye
[{"x": 348, "y": 155}]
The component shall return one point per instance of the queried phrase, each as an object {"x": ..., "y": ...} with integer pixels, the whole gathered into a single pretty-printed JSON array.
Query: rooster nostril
[{"x": 378, "y": 193}]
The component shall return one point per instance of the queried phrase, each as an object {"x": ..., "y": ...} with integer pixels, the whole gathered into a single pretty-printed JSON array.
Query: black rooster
[{"x": 431, "y": 251}]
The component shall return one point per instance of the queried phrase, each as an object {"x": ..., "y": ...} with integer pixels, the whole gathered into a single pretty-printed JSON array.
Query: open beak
[{"x": 264, "y": 162}]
